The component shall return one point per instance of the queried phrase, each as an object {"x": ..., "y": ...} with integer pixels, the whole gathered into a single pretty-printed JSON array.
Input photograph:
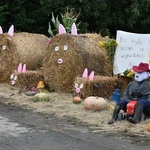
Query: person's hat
[{"x": 141, "y": 67}]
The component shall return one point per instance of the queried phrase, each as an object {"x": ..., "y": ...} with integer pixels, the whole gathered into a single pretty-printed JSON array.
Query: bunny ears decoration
[
  {"x": 62, "y": 30},
  {"x": 85, "y": 74},
  {"x": 73, "y": 29},
  {"x": 10, "y": 31},
  {"x": 1, "y": 31},
  {"x": 21, "y": 69}
]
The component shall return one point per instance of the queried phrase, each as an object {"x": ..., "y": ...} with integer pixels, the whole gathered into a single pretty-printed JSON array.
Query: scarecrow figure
[{"x": 138, "y": 90}]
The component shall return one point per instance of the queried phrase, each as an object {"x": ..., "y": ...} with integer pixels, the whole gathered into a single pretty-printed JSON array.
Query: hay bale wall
[
  {"x": 27, "y": 79},
  {"x": 82, "y": 52},
  {"x": 101, "y": 86},
  {"x": 25, "y": 48}
]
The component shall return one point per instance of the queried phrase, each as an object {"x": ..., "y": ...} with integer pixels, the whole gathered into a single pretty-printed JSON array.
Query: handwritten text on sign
[{"x": 132, "y": 49}]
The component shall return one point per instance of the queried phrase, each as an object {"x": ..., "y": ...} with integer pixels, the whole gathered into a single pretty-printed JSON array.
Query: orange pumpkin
[
  {"x": 148, "y": 127},
  {"x": 40, "y": 84},
  {"x": 95, "y": 103},
  {"x": 77, "y": 100}
]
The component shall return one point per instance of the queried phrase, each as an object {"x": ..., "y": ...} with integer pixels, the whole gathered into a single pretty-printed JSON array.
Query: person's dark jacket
[{"x": 136, "y": 91}]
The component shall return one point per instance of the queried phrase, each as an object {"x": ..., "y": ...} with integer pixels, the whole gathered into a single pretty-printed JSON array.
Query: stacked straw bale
[
  {"x": 28, "y": 79},
  {"x": 25, "y": 48},
  {"x": 101, "y": 86},
  {"x": 83, "y": 52}
]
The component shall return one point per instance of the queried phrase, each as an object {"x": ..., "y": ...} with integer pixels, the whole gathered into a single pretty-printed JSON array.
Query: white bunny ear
[
  {"x": 73, "y": 29},
  {"x": 24, "y": 68},
  {"x": 62, "y": 30},
  {"x": 91, "y": 76},
  {"x": 11, "y": 30},
  {"x": 1, "y": 30},
  {"x": 19, "y": 67},
  {"x": 85, "y": 73}
]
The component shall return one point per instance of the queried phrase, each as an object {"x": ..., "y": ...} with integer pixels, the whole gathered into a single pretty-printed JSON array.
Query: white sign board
[{"x": 132, "y": 49}]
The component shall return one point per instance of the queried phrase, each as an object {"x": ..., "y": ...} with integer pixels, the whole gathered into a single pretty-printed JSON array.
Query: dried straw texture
[
  {"x": 25, "y": 48},
  {"x": 101, "y": 86},
  {"x": 83, "y": 52},
  {"x": 28, "y": 79}
]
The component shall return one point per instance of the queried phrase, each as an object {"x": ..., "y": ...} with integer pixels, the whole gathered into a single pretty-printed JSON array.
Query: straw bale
[
  {"x": 25, "y": 48},
  {"x": 83, "y": 52},
  {"x": 28, "y": 79},
  {"x": 101, "y": 86}
]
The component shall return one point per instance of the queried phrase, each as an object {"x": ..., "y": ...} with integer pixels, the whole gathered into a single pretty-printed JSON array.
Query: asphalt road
[{"x": 25, "y": 130}]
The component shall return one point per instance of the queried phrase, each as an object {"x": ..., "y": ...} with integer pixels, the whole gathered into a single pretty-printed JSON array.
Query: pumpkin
[
  {"x": 41, "y": 97},
  {"x": 77, "y": 100},
  {"x": 95, "y": 103},
  {"x": 148, "y": 127},
  {"x": 40, "y": 84}
]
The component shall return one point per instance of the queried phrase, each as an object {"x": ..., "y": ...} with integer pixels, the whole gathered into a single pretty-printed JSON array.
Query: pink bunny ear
[
  {"x": 24, "y": 68},
  {"x": 11, "y": 30},
  {"x": 91, "y": 76},
  {"x": 85, "y": 73},
  {"x": 62, "y": 30},
  {"x": 1, "y": 30},
  {"x": 73, "y": 29},
  {"x": 19, "y": 67}
]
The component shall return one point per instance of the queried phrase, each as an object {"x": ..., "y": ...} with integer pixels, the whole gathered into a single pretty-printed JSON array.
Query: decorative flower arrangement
[
  {"x": 110, "y": 45},
  {"x": 129, "y": 73}
]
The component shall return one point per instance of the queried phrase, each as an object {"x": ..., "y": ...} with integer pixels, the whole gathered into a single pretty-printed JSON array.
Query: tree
[
  {"x": 100, "y": 16},
  {"x": 138, "y": 16}
]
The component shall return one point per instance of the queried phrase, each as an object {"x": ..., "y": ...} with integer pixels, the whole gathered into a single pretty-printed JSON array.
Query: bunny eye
[
  {"x": 15, "y": 78},
  {"x": 81, "y": 86},
  {"x": 76, "y": 85},
  {"x": 57, "y": 48},
  {"x": 65, "y": 47},
  {"x": 11, "y": 76},
  {"x": 4, "y": 47}
]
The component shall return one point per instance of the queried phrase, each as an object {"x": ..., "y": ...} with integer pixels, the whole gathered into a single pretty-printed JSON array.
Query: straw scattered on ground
[{"x": 61, "y": 106}]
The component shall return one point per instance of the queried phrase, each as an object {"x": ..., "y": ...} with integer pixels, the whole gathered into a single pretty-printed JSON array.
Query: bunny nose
[
  {"x": 77, "y": 90},
  {"x": 13, "y": 82},
  {"x": 59, "y": 61}
]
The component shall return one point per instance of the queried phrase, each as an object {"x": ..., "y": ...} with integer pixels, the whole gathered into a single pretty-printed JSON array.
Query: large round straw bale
[
  {"x": 25, "y": 48},
  {"x": 67, "y": 57}
]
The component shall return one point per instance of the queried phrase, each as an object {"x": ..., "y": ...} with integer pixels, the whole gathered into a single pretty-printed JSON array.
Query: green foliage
[
  {"x": 3, "y": 14},
  {"x": 100, "y": 16},
  {"x": 55, "y": 23},
  {"x": 110, "y": 45},
  {"x": 138, "y": 16},
  {"x": 27, "y": 16},
  {"x": 129, "y": 73},
  {"x": 66, "y": 20}
]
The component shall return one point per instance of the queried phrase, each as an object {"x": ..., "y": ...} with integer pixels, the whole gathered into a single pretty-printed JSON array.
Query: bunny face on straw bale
[
  {"x": 21, "y": 47},
  {"x": 26, "y": 79},
  {"x": 14, "y": 76},
  {"x": 101, "y": 86},
  {"x": 68, "y": 54},
  {"x": 5, "y": 52},
  {"x": 60, "y": 67},
  {"x": 83, "y": 84}
]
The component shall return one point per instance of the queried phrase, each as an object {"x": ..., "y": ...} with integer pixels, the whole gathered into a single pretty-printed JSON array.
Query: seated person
[{"x": 137, "y": 90}]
